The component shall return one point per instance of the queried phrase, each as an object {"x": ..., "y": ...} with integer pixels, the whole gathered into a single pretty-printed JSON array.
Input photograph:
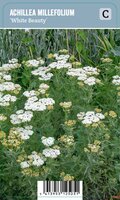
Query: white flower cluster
[
  {"x": 90, "y": 117},
  {"x": 13, "y": 61},
  {"x": 43, "y": 73},
  {"x": 60, "y": 65},
  {"x": 5, "y": 100},
  {"x": 9, "y": 86},
  {"x": 24, "y": 132},
  {"x": 34, "y": 159},
  {"x": 61, "y": 62},
  {"x": 21, "y": 116},
  {"x": 4, "y": 76},
  {"x": 116, "y": 80},
  {"x": 61, "y": 57},
  {"x": 43, "y": 88},
  {"x": 85, "y": 74},
  {"x": 12, "y": 64},
  {"x": 47, "y": 101},
  {"x": 36, "y": 104},
  {"x": 48, "y": 141},
  {"x": 38, "y": 159},
  {"x": 91, "y": 70},
  {"x": 2, "y": 117},
  {"x": 6, "y": 85},
  {"x": 34, "y": 63},
  {"x": 24, "y": 164},
  {"x": 90, "y": 81},
  {"x": 30, "y": 94},
  {"x": 51, "y": 152},
  {"x": 46, "y": 77}
]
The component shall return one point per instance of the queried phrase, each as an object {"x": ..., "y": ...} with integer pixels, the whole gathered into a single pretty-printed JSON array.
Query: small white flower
[
  {"x": 85, "y": 74},
  {"x": 48, "y": 141},
  {"x": 21, "y": 116},
  {"x": 24, "y": 164},
  {"x": 7, "y": 77},
  {"x": 38, "y": 162},
  {"x": 13, "y": 61},
  {"x": 100, "y": 115},
  {"x": 51, "y": 153},
  {"x": 116, "y": 80},
  {"x": 5, "y": 100},
  {"x": 90, "y": 81},
  {"x": 90, "y": 117},
  {"x": 29, "y": 94},
  {"x": 44, "y": 86},
  {"x": 9, "y": 86},
  {"x": 80, "y": 115},
  {"x": 25, "y": 132},
  {"x": 32, "y": 63},
  {"x": 13, "y": 64}
]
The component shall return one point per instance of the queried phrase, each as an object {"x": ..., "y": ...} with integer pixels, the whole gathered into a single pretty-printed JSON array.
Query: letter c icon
[{"x": 105, "y": 13}]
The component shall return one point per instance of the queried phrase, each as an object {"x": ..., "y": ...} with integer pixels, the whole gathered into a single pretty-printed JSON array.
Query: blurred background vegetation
[{"x": 87, "y": 45}]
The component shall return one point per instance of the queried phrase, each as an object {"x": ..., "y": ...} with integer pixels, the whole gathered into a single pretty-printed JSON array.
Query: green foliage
[
  {"x": 87, "y": 45},
  {"x": 99, "y": 172}
]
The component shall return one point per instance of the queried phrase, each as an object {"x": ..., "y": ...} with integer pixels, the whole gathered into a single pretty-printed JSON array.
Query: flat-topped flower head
[
  {"x": 66, "y": 105},
  {"x": 36, "y": 104},
  {"x": 48, "y": 141},
  {"x": 94, "y": 148},
  {"x": 43, "y": 88},
  {"x": 33, "y": 160},
  {"x": 51, "y": 153},
  {"x": 3, "y": 117},
  {"x": 24, "y": 164},
  {"x": 106, "y": 60},
  {"x": 5, "y": 100},
  {"x": 61, "y": 61},
  {"x": 67, "y": 140},
  {"x": 9, "y": 86},
  {"x": 63, "y": 51},
  {"x": 90, "y": 117},
  {"x": 34, "y": 63},
  {"x": 11, "y": 65},
  {"x": 4, "y": 76},
  {"x": 31, "y": 93},
  {"x": 87, "y": 75},
  {"x": 24, "y": 132},
  {"x": 70, "y": 123},
  {"x": 61, "y": 57},
  {"x": 43, "y": 73},
  {"x": 21, "y": 116},
  {"x": 116, "y": 80},
  {"x": 13, "y": 61}
]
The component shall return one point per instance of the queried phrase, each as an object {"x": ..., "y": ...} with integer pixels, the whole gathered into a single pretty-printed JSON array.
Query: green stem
[{"x": 67, "y": 40}]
